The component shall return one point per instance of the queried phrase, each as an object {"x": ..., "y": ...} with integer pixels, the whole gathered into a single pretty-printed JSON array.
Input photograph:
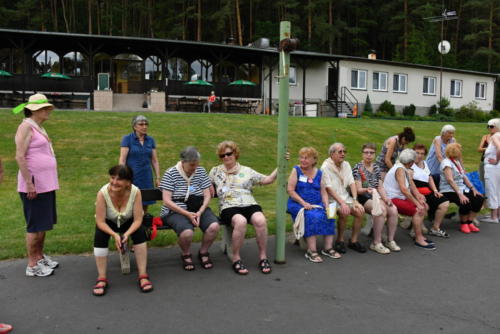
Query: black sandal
[
  {"x": 187, "y": 265},
  {"x": 239, "y": 268},
  {"x": 265, "y": 265},
  {"x": 207, "y": 264},
  {"x": 103, "y": 287}
]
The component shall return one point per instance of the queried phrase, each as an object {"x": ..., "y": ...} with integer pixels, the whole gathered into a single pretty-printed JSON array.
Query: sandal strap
[
  {"x": 187, "y": 256},
  {"x": 240, "y": 264},
  {"x": 145, "y": 276}
]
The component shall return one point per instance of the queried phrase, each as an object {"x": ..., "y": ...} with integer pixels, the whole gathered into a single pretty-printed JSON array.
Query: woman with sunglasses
[
  {"x": 492, "y": 171},
  {"x": 234, "y": 183},
  {"x": 367, "y": 179},
  {"x": 138, "y": 151}
]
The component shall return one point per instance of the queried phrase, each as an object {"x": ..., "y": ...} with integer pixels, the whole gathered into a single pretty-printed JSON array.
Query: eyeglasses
[
  {"x": 490, "y": 126},
  {"x": 223, "y": 155},
  {"x": 368, "y": 152}
]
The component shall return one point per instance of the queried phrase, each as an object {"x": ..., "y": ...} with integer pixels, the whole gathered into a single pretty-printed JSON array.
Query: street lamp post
[{"x": 443, "y": 46}]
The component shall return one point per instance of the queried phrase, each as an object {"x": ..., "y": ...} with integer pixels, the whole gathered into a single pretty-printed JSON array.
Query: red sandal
[
  {"x": 103, "y": 287},
  {"x": 143, "y": 286}
]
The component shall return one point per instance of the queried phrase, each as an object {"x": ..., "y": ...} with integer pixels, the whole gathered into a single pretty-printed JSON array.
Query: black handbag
[{"x": 194, "y": 203}]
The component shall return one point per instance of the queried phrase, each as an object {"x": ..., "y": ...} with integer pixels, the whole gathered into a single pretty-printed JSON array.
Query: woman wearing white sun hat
[{"x": 37, "y": 181}]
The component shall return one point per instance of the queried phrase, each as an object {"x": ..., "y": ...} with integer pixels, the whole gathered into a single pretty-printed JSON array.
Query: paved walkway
[{"x": 454, "y": 289}]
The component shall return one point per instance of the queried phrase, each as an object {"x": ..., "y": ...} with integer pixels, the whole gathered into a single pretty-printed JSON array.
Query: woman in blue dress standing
[
  {"x": 307, "y": 192},
  {"x": 138, "y": 151}
]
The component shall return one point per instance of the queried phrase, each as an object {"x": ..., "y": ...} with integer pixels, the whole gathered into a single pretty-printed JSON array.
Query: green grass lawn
[{"x": 87, "y": 144}]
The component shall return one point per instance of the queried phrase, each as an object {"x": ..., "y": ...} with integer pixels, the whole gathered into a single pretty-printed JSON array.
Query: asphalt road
[{"x": 454, "y": 289}]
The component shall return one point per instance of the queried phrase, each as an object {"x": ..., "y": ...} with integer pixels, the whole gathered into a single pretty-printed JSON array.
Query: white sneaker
[
  {"x": 48, "y": 262},
  {"x": 39, "y": 270},
  {"x": 393, "y": 246},
  {"x": 379, "y": 248},
  {"x": 489, "y": 220}
]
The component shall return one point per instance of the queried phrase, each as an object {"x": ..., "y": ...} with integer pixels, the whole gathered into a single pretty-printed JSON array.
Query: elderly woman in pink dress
[{"x": 37, "y": 181}]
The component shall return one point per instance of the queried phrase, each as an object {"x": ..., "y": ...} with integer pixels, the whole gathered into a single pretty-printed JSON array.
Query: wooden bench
[{"x": 156, "y": 195}]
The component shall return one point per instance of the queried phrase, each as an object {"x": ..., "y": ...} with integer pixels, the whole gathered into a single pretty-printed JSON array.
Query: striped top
[
  {"x": 173, "y": 181},
  {"x": 368, "y": 179}
]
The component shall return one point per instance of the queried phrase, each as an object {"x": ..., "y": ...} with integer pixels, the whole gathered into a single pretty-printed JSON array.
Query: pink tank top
[{"x": 41, "y": 164}]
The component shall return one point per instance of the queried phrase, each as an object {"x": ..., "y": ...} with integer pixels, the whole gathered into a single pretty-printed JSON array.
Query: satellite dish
[{"x": 444, "y": 47}]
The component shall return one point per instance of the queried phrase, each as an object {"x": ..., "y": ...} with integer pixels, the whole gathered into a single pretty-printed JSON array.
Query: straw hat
[{"x": 37, "y": 102}]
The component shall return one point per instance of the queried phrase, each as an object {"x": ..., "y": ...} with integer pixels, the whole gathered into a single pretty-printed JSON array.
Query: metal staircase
[{"x": 345, "y": 105}]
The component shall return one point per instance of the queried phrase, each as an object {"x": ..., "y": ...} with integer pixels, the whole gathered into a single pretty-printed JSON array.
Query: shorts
[
  {"x": 179, "y": 223},
  {"x": 226, "y": 215},
  {"x": 40, "y": 212},
  {"x": 475, "y": 202},
  {"x": 101, "y": 238},
  {"x": 405, "y": 206}
]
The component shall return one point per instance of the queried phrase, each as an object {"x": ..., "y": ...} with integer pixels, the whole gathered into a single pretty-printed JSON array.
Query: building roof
[{"x": 51, "y": 40}]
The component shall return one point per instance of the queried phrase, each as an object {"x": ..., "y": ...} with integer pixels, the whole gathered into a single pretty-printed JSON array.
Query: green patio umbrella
[
  {"x": 198, "y": 83},
  {"x": 242, "y": 83},
  {"x": 5, "y": 73},
  {"x": 55, "y": 75}
]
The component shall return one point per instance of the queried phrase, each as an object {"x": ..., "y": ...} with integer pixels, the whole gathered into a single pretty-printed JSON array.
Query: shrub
[
  {"x": 409, "y": 110},
  {"x": 368, "y": 105},
  {"x": 472, "y": 112},
  {"x": 387, "y": 108},
  {"x": 442, "y": 107}
]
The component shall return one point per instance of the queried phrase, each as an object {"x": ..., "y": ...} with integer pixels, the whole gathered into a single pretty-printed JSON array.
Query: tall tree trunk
[
  {"x": 64, "y": 15},
  {"x": 89, "y": 8},
  {"x": 330, "y": 23},
  {"x": 42, "y": 15},
  {"x": 405, "y": 36},
  {"x": 124, "y": 17},
  {"x": 490, "y": 35},
  {"x": 110, "y": 16},
  {"x": 309, "y": 21},
  {"x": 457, "y": 30},
  {"x": 53, "y": 7},
  {"x": 238, "y": 23},
  {"x": 250, "y": 21},
  {"x": 98, "y": 14},
  {"x": 198, "y": 21},
  {"x": 184, "y": 20},
  {"x": 151, "y": 5}
]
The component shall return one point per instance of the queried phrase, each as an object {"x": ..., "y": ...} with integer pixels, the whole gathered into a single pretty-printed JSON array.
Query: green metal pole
[{"x": 281, "y": 195}]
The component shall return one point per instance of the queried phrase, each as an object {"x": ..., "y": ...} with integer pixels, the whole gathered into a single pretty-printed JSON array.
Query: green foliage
[
  {"x": 368, "y": 106},
  {"x": 409, "y": 110},
  {"x": 442, "y": 108},
  {"x": 471, "y": 112},
  {"x": 387, "y": 108}
]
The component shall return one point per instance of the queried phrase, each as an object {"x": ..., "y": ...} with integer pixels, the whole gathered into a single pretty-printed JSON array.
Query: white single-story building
[{"x": 350, "y": 80}]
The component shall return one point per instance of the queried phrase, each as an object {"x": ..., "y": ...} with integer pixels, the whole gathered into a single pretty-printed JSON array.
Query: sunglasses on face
[
  {"x": 490, "y": 126},
  {"x": 142, "y": 124},
  {"x": 223, "y": 155}
]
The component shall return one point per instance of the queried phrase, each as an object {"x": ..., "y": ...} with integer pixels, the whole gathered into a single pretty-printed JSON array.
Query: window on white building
[
  {"x": 399, "y": 83},
  {"x": 456, "y": 88},
  {"x": 358, "y": 79},
  {"x": 480, "y": 90},
  {"x": 380, "y": 81},
  {"x": 429, "y": 86}
]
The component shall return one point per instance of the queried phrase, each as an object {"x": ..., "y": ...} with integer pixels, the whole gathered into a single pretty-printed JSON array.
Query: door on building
[{"x": 332, "y": 82}]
